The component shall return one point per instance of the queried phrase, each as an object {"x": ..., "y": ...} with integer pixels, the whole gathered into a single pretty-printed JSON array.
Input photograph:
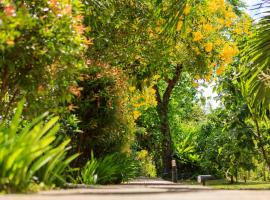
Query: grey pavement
[{"x": 144, "y": 190}]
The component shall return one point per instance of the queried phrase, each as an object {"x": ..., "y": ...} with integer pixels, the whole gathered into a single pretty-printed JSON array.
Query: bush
[
  {"x": 33, "y": 153},
  {"x": 42, "y": 47},
  {"x": 102, "y": 108},
  {"x": 114, "y": 168},
  {"x": 147, "y": 168}
]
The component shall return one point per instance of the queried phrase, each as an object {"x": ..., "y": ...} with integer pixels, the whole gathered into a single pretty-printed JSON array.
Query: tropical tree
[
  {"x": 225, "y": 146},
  {"x": 242, "y": 115},
  {"x": 196, "y": 41},
  {"x": 184, "y": 115}
]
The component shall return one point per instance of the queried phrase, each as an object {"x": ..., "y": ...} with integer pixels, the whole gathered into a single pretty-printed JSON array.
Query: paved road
[{"x": 158, "y": 190}]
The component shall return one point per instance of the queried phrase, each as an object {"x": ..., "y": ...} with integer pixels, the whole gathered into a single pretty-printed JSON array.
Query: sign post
[{"x": 174, "y": 171}]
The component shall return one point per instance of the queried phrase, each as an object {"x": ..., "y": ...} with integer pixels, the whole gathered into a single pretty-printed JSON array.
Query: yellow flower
[
  {"x": 219, "y": 42},
  {"x": 228, "y": 23},
  {"x": 220, "y": 21},
  {"x": 208, "y": 47},
  {"x": 208, "y": 28},
  {"x": 137, "y": 105},
  {"x": 188, "y": 30},
  {"x": 203, "y": 20},
  {"x": 213, "y": 64},
  {"x": 136, "y": 114},
  {"x": 228, "y": 52},
  {"x": 178, "y": 46},
  {"x": 187, "y": 10},
  {"x": 238, "y": 31},
  {"x": 197, "y": 36},
  {"x": 220, "y": 70},
  {"x": 88, "y": 41},
  {"x": 208, "y": 77},
  {"x": 132, "y": 89},
  {"x": 142, "y": 154},
  {"x": 213, "y": 7},
  {"x": 156, "y": 77},
  {"x": 152, "y": 91},
  {"x": 10, "y": 42},
  {"x": 230, "y": 14},
  {"x": 179, "y": 25},
  {"x": 220, "y": 3}
]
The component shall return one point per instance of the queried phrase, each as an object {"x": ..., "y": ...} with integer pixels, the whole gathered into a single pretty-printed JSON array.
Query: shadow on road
[{"x": 127, "y": 190}]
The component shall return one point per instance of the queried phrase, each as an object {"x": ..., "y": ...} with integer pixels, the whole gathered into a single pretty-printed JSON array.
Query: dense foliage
[
  {"x": 102, "y": 108},
  {"x": 41, "y": 45}
]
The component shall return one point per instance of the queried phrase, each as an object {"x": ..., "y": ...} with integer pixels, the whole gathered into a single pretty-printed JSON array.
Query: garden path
[{"x": 143, "y": 189}]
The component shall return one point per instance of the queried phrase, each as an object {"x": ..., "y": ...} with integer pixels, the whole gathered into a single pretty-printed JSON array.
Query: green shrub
[
  {"x": 114, "y": 168},
  {"x": 147, "y": 168},
  {"x": 32, "y": 153},
  {"x": 41, "y": 47},
  {"x": 103, "y": 111}
]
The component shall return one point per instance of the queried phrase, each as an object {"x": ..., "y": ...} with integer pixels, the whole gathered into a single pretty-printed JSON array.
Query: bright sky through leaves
[{"x": 250, "y": 8}]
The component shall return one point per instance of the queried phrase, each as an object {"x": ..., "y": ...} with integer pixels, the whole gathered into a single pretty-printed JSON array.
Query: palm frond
[{"x": 257, "y": 60}]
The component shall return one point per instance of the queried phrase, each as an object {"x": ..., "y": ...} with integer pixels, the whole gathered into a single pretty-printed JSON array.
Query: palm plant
[{"x": 256, "y": 71}]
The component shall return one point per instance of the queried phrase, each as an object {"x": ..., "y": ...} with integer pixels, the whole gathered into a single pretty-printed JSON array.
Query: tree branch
[
  {"x": 158, "y": 97},
  {"x": 172, "y": 83}
]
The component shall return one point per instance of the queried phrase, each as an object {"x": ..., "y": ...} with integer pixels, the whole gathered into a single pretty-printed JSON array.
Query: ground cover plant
[{"x": 239, "y": 186}]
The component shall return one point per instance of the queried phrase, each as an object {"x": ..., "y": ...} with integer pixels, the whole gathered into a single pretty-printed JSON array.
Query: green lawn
[{"x": 222, "y": 184}]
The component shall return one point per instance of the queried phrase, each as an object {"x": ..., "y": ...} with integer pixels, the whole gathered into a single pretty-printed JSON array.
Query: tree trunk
[
  {"x": 236, "y": 175},
  {"x": 162, "y": 109},
  {"x": 232, "y": 179},
  {"x": 167, "y": 149},
  {"x": 4, "y": 80},
  {"x": 264, "y": 174}
]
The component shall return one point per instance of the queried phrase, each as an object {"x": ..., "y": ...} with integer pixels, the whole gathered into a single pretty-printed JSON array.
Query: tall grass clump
[{"x": 32, "y": 153}]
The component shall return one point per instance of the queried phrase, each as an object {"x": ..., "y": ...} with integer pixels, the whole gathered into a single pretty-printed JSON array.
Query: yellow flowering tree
[
  {"x": 162, "y": 39},
  {"x": 208, "y": 29},
  {"x": 140, "y": 100},
  {"x": 197, "y": 37}
]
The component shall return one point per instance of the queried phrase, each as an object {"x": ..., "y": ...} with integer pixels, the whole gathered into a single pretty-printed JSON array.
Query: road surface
[{"x": 157, "y": 190}]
